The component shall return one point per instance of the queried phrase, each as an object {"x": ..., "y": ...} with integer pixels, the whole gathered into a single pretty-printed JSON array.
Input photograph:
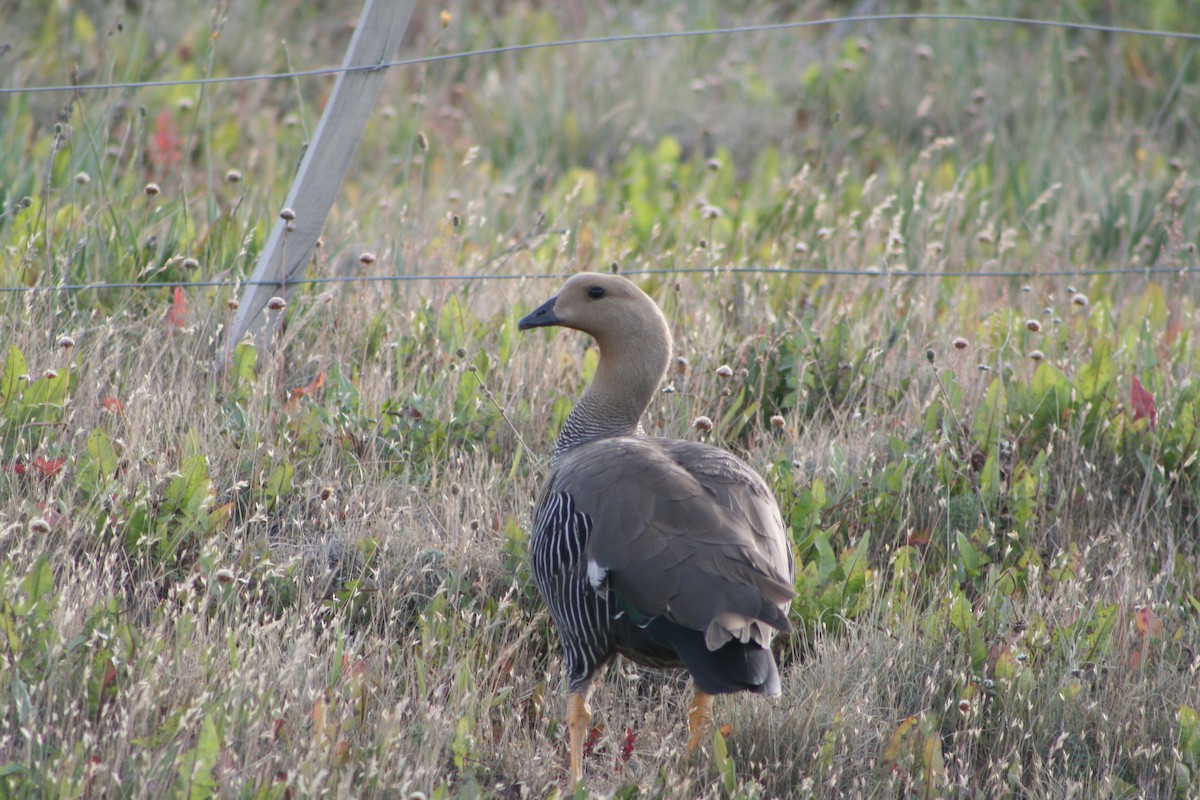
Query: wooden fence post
[{"x": 323, "y": 167}]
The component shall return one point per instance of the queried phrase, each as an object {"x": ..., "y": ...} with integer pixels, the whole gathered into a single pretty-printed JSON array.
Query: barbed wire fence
[{"x": 898, "y": 273}]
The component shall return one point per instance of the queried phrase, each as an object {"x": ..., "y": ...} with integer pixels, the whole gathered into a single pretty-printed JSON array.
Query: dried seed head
[
  {"x": 1033, "y": 325},
  {"x": 455, "y": 220},
  {"x": 983, "y": 368},
  {"x": 50, "y": 374},
  {"x": 233, "y": 303},
  {"x": 461, "y": 352},
  {"x": 960, "y": 343},
  {"x": 923, "y": 51},
  {"x": 289, "y": 226},
  {"x": 39, "y": 525},
  {"x": 800, "y": 247},
  {"x": 824, "y": 233},
  {"x": 366, "y": 259},
  {"x": 1079, "y": 299},
  {"x": 964, "y": 706},
  {"x": 778, "y": 421},
  {"x": 455, "y": 489},
  {"x": 82, "y": 178},
  {"x": 66, "y": 342},
  {"x": 224, "y": 576},
  {"x": 681, "y": 365},
  {"x": 710, "y": 212},
  {"x": 985, "y": 237},
  {"x": 422, "y": 140},
  {"x": 190, "y": 263},
  {"x": 714, "y": 164},
  {"x": 724, "y": 371},
  {"x": 326, "y": 492},
  {"x": 702, "y": 424},
  {"x": 185, "y": 104},
  {"x": 233, "y": 176},
  {"x": 287, "y": 215},
  {"x": 1037, "y": 355},
  {"x": 277, "y": 304},
  {"x": 152, "y": 189},
  {"x": 1027, "y": 288},
  {"x": 930, "y": 355}
]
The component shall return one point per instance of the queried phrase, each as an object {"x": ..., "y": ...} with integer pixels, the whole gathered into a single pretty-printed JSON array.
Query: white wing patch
[{"x": 596, "y": 574}]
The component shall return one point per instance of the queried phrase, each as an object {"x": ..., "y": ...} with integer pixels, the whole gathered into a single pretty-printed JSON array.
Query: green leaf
[
  {"x": 245, "y": 364},
  {"x": 1093, "y": 381},
  {"x": 97, "y": 464},
  {"x": 14, "y": 368},
  {"x": 279, "y": 483},
  {"x": 196, "y": 780}
]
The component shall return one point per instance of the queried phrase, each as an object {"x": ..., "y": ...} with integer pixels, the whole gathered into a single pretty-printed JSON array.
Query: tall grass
[{"x": 306, "y": 574}]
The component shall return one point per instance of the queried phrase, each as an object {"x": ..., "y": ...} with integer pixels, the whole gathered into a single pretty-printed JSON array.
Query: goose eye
[{"x": 596, "y": 292}]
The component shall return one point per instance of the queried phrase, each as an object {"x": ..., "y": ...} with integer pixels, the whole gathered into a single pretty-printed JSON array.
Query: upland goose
[{"x": 672, "y": 553}]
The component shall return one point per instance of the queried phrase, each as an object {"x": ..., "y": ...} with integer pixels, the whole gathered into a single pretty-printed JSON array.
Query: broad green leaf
[{"x": 14, "y": 368}]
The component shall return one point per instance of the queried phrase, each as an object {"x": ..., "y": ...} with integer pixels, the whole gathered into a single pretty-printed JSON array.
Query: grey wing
[{"x": 687, "y": 531}]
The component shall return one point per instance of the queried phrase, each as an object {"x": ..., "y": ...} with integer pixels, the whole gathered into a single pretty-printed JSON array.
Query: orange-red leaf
[
  {"x": 177, "y": 314},
  {"x": 48, "y": 466},
  {"x": 1148, "y": 623},
  {"x": 1142, "y": 402},
  {"x": 113, "y": 404},
  {"x": 305, "y": 391}
]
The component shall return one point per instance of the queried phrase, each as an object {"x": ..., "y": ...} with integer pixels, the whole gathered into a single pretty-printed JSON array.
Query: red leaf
[
  {"x": 113, "y": 404},
  {"x": 167, "y": 149},
  {"x": 177, "y": 313},
  {"x": 627, "y": 744},
  {"x": 593, "y": 739},
  {"x": 1142, "y": 402}
]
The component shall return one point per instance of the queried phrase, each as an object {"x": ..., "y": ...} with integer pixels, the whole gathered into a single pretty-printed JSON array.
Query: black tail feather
[{"x": 733, "y": 667}]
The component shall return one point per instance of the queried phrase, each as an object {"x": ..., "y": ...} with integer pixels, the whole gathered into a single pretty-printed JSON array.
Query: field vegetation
[{"x": 951, "y": 268}]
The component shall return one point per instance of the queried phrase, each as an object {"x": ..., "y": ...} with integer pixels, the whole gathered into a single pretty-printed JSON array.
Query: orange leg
[
  {"x": 699, "y": 718},
  {"x": 578, "y": 717}
]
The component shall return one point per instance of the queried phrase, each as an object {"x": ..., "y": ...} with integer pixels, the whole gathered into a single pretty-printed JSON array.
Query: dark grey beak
[{"x": 540, "y": 317}]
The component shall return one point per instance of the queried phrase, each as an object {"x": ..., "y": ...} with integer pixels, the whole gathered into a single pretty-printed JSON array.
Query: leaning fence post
[{"x": 323, "y": 167}]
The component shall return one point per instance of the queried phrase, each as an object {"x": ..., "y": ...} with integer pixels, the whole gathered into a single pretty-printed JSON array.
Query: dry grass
[{"x": 277, "y": 594}]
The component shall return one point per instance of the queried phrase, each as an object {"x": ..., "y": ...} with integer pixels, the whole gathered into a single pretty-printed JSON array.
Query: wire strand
[
  {"x": 715, "y": 271},
  {"x": 624, "y": 37}
]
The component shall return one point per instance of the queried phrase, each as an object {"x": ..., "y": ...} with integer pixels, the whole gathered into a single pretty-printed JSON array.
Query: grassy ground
[{"x": 307, "y": 575}]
